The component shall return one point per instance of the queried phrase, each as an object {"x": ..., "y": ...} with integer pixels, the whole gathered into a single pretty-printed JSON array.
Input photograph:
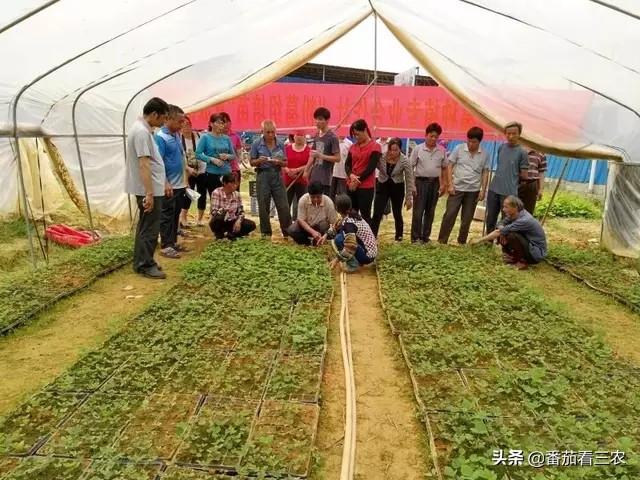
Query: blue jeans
[{"x": 360, "y": 255}]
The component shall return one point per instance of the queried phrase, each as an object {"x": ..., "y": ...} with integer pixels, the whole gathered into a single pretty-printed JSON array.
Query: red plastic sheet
[{"x": 70, "y": 237}]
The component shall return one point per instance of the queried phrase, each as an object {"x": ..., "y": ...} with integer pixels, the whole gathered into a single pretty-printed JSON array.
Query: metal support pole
[
  {"x": 555, "y": 190},
  {"x": 348, "y": 112},
  {"x": 606, "y": 198},
  {"x": 77, "y": 141},
  {"x": 375, "y": 72},
  {"x": 592, "y": 175},
  {"x": 67, "y": 62},
  {"x": 28, "y": 15},
  {"x": 124, "y": 123},
  {"x": 21, "y": 187},
  {"x": 84, "y": 180}
]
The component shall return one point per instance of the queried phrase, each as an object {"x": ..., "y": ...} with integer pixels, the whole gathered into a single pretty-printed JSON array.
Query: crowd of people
[{"x": 327, "y": 189}]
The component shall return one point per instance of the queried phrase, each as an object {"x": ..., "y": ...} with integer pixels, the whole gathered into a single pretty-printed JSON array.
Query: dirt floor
[
  {"x": 390, "y": 440},
  {"x": 619, "y": 326},
  {"x": 34, "y": 355},
  {"x": 391, "y": 443}
]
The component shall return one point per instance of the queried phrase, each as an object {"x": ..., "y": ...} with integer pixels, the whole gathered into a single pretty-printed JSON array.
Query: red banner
[{"x": 389, "y": 110}]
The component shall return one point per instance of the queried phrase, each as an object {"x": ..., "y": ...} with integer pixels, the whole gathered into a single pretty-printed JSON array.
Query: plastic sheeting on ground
[{"x": 621, "y": 227}]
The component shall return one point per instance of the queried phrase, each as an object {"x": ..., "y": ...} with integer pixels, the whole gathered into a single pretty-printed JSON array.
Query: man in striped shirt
[{"x": 530, "y": 188}]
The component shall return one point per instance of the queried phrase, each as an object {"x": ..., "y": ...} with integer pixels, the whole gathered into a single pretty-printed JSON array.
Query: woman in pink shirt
[
  {"x": 297, "y": 157},
  {"x": 236, "y": 141}
]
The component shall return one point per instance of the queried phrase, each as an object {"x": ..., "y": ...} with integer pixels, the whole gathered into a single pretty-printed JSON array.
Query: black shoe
[
  {"x": 398, "y": 239},
  {"x": 155, "y": 273}
]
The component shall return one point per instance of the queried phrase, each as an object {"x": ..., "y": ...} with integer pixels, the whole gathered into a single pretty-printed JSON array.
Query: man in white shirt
[
  {"x": 145, "y": 178},
  {"x": 467, "y": 178},
  {"x": 429, "y": 162},
  {"x": 316, "y": 213}
]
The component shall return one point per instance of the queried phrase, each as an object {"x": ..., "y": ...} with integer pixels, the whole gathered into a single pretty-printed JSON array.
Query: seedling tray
[
  {"x": 218, "y": 434},
  {"x": 23, "y": 430},
  {"x": 296, "y": 378}
]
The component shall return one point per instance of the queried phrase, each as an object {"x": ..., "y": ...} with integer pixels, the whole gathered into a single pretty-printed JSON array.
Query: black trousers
[
  {"x": 199, "y": 184},
  {"x": 518, "y": 247},
  {"x": 338, "y": 187},
  {"x": 528, "y": 193},
  {"x": 361, "y": 201},
  {"x": 494, "y": 207},
  {"x": 465, "y": 200},
  {"x": 301, "y": 236},
  {"x": 424, "y": 207},
  {"x": 220, "y": 227},
  {"x": 296, "y": 191},
  {"x": 147, "y": 232},
  {"x": 212, "y": 181},
  {"x": 386, "y": 191},
  {"x": 170, "y": 218}
]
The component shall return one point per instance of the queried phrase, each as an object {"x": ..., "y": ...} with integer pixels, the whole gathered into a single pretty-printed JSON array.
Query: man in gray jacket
[{"x": 522, "y": 238}]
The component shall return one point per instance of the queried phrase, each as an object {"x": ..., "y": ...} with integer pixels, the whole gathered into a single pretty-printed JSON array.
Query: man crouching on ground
[
  {"x": 522, "y": 238},
  {"x": 316, "y": 214}
]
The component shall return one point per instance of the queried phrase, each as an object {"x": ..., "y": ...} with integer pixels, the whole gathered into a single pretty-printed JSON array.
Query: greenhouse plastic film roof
[{"x": 569, "y": 71}]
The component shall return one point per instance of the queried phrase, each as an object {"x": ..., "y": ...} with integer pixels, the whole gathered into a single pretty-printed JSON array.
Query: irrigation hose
[
  {"x": 614, "y": 295},
  {"x": 349, "y": 446}
]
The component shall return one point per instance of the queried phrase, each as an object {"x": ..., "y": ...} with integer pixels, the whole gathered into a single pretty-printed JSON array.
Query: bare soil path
[
  {"x": 390, "y": 439},
  {"x": 37, "y": 353},
  {"x": 619, "y": 326}
]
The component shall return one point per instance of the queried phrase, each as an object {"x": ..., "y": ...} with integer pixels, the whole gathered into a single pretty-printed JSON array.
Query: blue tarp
[{"x": 578, "y": 171}]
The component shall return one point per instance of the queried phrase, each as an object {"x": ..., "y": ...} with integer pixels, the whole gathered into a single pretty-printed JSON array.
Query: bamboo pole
[{"x": 555, "y": 190}]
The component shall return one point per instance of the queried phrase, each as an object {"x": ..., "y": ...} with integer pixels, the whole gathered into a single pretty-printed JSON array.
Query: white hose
[{"x": 349, "y": 446}]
